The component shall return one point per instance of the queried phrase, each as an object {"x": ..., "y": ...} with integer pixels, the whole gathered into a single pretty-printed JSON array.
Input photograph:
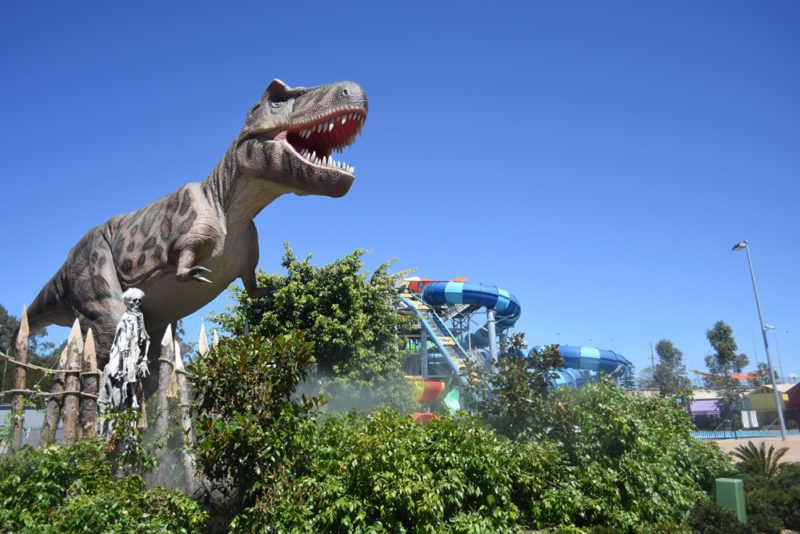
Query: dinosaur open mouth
[{"x": 315, "y": 141}]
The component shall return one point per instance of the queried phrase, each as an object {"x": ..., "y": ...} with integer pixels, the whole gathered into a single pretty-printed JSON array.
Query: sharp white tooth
[
  {"x": 344, "y": 119},
  {"x": 319, "y": 128},
  {"x": 330, "y": 125}
]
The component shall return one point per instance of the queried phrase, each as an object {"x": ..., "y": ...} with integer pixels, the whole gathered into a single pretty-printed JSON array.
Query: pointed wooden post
[
  {"x": 53, "y": 409},
  {"x": 189, "y": 474},
  {"x": 72, "y": 385},
  {"x": 165, "y": 363},
  {"x": 90, "y": 384},
  {"x": 202, "y": 342},
  {"x": 20, "y": 377}
]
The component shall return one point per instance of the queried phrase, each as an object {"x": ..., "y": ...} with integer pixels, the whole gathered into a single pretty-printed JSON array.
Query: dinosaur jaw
[
  {"x": 314, "y": 141},
  {"x": 298, "y": 156}
]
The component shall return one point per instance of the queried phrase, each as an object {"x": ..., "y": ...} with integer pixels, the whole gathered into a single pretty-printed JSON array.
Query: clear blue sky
[{"x": 596, "y": 159}]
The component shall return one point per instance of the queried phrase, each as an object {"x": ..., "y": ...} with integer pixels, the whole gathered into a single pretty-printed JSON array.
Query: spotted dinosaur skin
[{"x": 185, "y": 248}]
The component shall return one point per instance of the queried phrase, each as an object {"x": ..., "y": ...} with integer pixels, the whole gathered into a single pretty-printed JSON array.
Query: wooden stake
[
  {"x": 72, "y": 383},
  {"x": 165, "y": 363},
  {"x": 20, "y": 377},
  {"x": 53, "y": 409},
  {"x": 90, "y": 383},
  {"x": 189, "y": 474},
  {"x": 202, "y": 342}
]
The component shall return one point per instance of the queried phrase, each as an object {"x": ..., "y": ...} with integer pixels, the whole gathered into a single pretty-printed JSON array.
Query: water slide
[{"x": 580, "y": 363}]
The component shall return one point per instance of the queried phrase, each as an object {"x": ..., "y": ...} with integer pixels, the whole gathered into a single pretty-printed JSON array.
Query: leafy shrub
[
  {"x": 512, "y": 398},
  {"x": 69, "y": 489},
  {"x": 708, "y": 517},
  {"x": 773, "y": 503},
  {"x": 385, "y": 473},
  {"x": 247, "y": 422},
  {"x": 635, "y": 459}
]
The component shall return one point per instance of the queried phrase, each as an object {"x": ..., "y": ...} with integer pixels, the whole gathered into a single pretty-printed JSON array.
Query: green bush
[
  {"x": 773, "y": 503},
  {"x": 385, "y": 473},
  {"x": 708, "y": 517},
  {"x": 247, "y": 423},
  {"x": 69, "y": 489}
]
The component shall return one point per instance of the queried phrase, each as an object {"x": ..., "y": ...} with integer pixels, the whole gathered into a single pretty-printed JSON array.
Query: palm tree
[{"x": 759, "y": 460}]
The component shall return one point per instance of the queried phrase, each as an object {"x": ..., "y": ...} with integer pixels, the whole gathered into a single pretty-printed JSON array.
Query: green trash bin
[{"x": 729, "y": 493}]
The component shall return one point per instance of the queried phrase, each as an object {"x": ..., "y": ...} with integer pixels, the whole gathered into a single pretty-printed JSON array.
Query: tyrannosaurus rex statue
[{"x": 185, "y": 248}]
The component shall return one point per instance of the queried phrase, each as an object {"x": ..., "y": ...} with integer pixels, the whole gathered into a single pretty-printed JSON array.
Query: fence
[
  {"x": 72, "y": 400},
  {"x": 747, "y": 419}
]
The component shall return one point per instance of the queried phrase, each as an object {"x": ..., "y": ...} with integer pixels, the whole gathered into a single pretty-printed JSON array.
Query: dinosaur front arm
[
  {"x": 187, "y": 270},
  {"x": 251, "y": 286}
]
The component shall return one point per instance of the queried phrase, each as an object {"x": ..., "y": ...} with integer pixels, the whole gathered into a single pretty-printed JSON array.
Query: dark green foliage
[
  {"x": 246, "y": 422},
  {"x": 385, "y": 473},
  {"x": 636, "y": 455},
  {"x": 670, "y": 373},
  {"x": 126, "y": 451},
  {"x": 708, "y": 517},
  {"x": 773, "y": 503},
  {"x": 346, "y": 312},
  {"x": 41, "y": 353},
  {"x": 68, "y": 489},
  {"x": 723, "y": 362},
  {"x": 512, "y": 397}
]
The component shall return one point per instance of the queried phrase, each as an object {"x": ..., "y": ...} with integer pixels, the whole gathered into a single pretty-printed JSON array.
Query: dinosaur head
[{"x": 290, "y": 134}]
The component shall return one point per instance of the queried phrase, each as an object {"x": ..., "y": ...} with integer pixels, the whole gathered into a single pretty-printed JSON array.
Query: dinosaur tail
[{"x": 49, "y": 306}]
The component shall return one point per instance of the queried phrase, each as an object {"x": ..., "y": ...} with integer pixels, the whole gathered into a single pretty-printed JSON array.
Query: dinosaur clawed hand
[{"x": 195, "y": 274}]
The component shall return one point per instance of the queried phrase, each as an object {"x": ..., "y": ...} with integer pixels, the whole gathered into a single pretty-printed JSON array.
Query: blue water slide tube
[
  {"x": 590, "y": 359},
  {"x": 505, "y": 305}
]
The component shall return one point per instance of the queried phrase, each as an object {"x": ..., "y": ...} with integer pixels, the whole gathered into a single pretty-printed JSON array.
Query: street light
[{"x": 744, "y": 245}]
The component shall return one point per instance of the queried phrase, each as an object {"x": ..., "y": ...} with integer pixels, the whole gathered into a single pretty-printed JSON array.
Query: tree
[
  {"x": 512, "y": 397},
  {"x": 762, "y": 375},
  {"x": 670, "y": 372},
  {"x": 724, "y": 362},
  {"x": 41, "y": 353},
  {"x": 628, "y": 382},
  {"x": 345, "y": 311},
  {"x": 647, "y": 379}
]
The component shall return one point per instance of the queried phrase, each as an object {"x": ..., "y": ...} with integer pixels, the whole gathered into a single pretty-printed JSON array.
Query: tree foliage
[
  {"x": 512, "y": 397},
  {"x": 57, "y": 489},
  {"x": 40, "y": 352},
  {"x": 670, "y": 372},
  {"x": 723, "y": 362},
  {"x": 345, "y": 311},
  {"x": 247, "y": 422}
]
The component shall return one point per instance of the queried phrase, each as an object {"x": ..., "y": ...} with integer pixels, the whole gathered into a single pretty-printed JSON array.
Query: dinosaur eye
[{"x": 276, "y": 104}]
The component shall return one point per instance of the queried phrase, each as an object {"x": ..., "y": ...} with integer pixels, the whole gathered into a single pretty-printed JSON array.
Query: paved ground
[{"x": 792, "y": 443}]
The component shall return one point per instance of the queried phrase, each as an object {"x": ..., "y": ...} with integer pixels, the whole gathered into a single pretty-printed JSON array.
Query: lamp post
[{"x": 744, "y": 245}]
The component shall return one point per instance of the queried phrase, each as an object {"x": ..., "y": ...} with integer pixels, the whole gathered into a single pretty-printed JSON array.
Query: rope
[
  {"x": 49, "y": 394},
  {"x": 38, "y": 368}
]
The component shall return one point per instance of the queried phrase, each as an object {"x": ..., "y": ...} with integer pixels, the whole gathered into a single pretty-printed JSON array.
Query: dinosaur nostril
[{"x": 345, "y": 92}]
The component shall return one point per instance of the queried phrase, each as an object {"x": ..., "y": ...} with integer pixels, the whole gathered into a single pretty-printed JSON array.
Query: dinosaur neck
[{"x": 238, "y": 197}]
